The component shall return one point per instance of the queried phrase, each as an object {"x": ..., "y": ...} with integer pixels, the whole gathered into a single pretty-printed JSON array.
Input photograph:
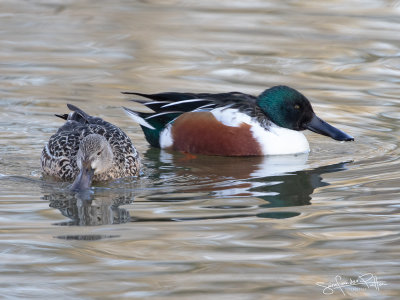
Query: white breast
[{"x": 279, "y": 140}]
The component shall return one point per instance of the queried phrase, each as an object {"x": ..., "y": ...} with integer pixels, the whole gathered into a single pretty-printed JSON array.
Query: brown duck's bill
[
  {"x": 319, "y": 126},
  {"x": 84, "y": 179}
]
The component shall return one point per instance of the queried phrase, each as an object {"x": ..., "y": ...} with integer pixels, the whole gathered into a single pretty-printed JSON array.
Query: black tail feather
[
  {"x": 154, "y": 105},
  {"x": 63, "y": 116},
  {"x": 78, "y": 110},
  {"x": 77, "y": 115},
  {"x": 168, "y": 96}
]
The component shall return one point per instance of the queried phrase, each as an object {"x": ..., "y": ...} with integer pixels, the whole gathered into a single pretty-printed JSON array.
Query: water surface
[{"x": 204, "y": 227}]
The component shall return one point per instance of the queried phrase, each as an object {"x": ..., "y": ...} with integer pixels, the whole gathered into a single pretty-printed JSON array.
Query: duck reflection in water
[
  {"x": 88, "y": 209},
  {"x": 282, "y": 181}
]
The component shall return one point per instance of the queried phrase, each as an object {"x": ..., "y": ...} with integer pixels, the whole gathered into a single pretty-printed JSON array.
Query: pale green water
[{"x": 206, "y": 228}]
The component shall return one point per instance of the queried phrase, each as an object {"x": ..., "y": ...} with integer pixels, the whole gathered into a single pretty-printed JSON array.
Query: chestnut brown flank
[{"x": 202, "y": 133}]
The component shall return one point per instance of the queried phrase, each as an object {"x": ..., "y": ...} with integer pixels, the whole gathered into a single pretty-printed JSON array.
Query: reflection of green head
[{"x": 286, "y": 107}]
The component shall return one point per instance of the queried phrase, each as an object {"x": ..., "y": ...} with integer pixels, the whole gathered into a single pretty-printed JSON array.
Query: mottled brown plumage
[{"x": 104, "y": 147}]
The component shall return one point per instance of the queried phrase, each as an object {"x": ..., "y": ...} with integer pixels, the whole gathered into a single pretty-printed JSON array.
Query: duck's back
[{"x": 59, "y": 155}]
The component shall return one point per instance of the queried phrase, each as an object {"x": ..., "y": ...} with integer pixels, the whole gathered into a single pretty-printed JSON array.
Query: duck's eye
[
  {"x": 98, "y": 153},
  {"x": 296, "y": 106}
]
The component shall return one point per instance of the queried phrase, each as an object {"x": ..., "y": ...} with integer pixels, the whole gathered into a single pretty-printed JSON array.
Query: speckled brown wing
[{"x": 59, "y": 155}]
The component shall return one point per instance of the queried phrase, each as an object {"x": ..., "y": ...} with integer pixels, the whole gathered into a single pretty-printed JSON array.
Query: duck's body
[
  {"x": 86, "y": 141},
  {"x": 232, "y": 124},
  {"x": 228, "y": 132}
]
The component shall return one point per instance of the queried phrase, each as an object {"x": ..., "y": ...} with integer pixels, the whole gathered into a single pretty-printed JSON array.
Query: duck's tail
[
  {"x": 166, "y": 108},
  {"x": 152, "y": 124},
  {"x": 77, "y": 114}
]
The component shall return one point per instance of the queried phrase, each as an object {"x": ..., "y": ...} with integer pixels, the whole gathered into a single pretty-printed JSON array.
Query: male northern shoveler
[
  {"x": 232, "y": 124},
  {"x": 88, "y": 148}
]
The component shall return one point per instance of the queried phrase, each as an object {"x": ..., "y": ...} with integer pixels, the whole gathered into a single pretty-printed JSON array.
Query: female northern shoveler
[
  {"x": 232, "y": 124},
  {"x": 87, "y": 148}
]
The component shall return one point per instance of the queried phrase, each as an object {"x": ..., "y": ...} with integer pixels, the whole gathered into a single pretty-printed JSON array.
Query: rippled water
[{"x": 205, "y": 227}]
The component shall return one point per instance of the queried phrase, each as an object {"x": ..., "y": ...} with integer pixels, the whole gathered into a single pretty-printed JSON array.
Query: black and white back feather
[{"x": 168, "y": 106}]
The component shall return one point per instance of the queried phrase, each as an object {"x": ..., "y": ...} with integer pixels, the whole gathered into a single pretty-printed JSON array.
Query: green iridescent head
[
  {"x": 286, "y": 107},
  {"x": 290, "y": 109}
]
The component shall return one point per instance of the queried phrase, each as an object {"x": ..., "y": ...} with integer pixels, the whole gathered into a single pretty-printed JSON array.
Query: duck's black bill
[
  {"x": 84, "y": 179},
  {"x": 319, "y": 126}
]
